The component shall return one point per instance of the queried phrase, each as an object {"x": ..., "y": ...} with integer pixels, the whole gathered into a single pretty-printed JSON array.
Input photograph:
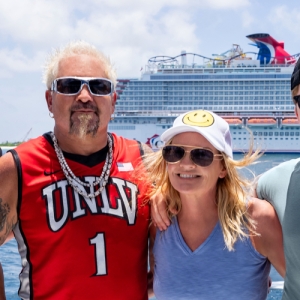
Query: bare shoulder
[
  {"x": 8, "y": 195},
  {"x": 269, "y": 240},
  {"x": 261, "y": 210},
  {"x": 265, "y": 217},
  {"x": 8, "y": 170},
  {"x": 7, "y": 163}
]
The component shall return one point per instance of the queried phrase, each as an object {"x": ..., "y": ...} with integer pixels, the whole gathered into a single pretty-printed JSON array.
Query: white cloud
[
  {"x": 155, "y": 5},
  {"x": 123, "y": 29},
  {"x": 43, "y": 22},
  {"x": 247, "y": 19},
  {"x": 34, "y": 21},
  {"x": 16, "y": 61},
  {"x": 167, "y": 35},
  {"x": 123, "y": 35},
  {"x": 286, "y": 17},
  {"x": 227, "y": 4}
]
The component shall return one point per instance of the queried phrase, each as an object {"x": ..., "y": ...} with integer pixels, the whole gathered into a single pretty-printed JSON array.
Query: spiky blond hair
[{"x": 72, "y": 49}]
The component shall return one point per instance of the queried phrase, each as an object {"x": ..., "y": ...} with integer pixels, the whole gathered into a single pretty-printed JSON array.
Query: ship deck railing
[
  {"x": 181, "y": 69},
  {"x": 221, "y": 113}
]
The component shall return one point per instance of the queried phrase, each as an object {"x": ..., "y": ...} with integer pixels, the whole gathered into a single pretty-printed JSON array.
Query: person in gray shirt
[{"x": 280, "y": 186}]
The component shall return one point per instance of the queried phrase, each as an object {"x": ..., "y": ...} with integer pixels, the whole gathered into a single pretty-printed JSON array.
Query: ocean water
[{"x": 11, "y": 262}]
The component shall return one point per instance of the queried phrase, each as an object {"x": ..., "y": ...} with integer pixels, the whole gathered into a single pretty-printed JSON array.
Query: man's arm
[
  {"x": 269, "y": 242},
  {"x": 8, "y": 205},
  {"x": 151, "y": 260},
  {"x": 8, "y": 196},
  {"x": 159, "y": 214},
  {"x": 2, "y": 290}
]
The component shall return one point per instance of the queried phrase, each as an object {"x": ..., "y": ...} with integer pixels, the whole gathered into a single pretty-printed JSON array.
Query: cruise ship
[{"x": 250, "y": 90}]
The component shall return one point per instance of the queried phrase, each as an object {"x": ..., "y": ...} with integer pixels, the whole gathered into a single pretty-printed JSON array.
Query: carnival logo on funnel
[
  {"x": 270, "y": 50},
  {"x": 154, "y": 142}
]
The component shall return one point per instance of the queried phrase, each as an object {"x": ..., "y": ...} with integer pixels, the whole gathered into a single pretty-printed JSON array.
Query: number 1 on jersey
[{"x": 100, "y": 253}]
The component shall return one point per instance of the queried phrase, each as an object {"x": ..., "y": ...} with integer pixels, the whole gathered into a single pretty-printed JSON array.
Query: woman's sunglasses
[
  {"x": 199, "y": 156},
  {"x": 73, "y": 85}
]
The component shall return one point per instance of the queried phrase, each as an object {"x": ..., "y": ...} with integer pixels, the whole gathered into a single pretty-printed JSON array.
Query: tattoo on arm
[
  {"x": 4, "y": 211},
  {"x": 4, "y": 222}
]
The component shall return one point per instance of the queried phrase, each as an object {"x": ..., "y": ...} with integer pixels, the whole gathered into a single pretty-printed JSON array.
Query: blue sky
[{"x": 130, "y": 32}]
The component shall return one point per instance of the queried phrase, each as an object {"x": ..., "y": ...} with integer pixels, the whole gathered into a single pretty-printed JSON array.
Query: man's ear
[
  {"x": 113, "y": 102},
  {"x": 48, "y": 96},
  {"x": 115, "y": 96}
]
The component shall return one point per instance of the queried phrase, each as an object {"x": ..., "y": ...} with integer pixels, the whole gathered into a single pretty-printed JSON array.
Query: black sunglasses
[
  {"x": 199, "y": 156},
  {"x": 297, "y": 99},
  {"x": 73, "y": 85}
]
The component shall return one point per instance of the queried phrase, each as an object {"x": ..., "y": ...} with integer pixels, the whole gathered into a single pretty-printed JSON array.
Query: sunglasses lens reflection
[
  {"x": 69, "y": 86},
  {"x": 201, "y": 157},
  {"x": 100, "y": 87},
  {"x": 172, "y": 154}
]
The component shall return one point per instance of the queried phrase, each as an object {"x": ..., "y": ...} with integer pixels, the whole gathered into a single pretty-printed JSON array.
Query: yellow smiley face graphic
[{"x": 201, "y": 118}]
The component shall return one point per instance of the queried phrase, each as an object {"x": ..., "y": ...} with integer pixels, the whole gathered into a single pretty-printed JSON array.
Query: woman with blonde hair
[{"x": 220, "y": 242}]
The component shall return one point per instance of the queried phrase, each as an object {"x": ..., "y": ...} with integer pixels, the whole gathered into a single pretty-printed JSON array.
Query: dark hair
[{"x": 295, "y": 79}]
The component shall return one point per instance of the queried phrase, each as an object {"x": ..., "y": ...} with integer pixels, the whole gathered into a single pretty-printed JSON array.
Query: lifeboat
[
  {"x": 290, "y": 121},
  {"x": 233, "y": 121},
  {"x": 261, "y": 121}
]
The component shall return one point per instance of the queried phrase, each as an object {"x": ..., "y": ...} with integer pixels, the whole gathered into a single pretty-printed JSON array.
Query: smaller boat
[
  {"x": 261, "y": 121},
  {"x": 290, "y": 121},
  {"x": 233, "y": 121}
]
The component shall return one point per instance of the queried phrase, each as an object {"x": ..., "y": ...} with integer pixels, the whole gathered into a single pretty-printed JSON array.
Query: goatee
[{"x": 84, "y": 125}]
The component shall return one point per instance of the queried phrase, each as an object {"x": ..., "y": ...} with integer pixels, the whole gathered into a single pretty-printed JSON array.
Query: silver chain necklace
[{"x": 76, "y": 182}]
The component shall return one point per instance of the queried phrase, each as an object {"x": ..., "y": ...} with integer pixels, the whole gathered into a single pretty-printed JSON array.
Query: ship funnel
[{"x": 183, "y": 57}]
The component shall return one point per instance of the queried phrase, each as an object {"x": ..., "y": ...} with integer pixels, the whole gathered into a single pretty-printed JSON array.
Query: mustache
[{"x": 79, "y": 106}]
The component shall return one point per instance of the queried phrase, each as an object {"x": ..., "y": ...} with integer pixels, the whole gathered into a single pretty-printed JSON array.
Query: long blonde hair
[{"x": 231, "y": 198}]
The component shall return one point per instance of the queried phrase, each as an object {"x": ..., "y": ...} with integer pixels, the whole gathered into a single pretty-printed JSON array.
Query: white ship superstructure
[{"x": 250, "y": 93}]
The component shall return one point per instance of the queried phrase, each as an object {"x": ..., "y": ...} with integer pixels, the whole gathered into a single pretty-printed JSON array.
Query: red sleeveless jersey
[{"x": 74, "y": 247}]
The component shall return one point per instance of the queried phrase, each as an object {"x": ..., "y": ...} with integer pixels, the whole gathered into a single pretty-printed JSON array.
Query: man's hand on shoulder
[
  {"x": 269, "y": 241},
  {"x": 159, "y": 214}
]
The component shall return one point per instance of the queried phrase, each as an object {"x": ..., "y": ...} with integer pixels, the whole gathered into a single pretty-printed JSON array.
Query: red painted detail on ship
[{"x": 154, "y": 142}]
